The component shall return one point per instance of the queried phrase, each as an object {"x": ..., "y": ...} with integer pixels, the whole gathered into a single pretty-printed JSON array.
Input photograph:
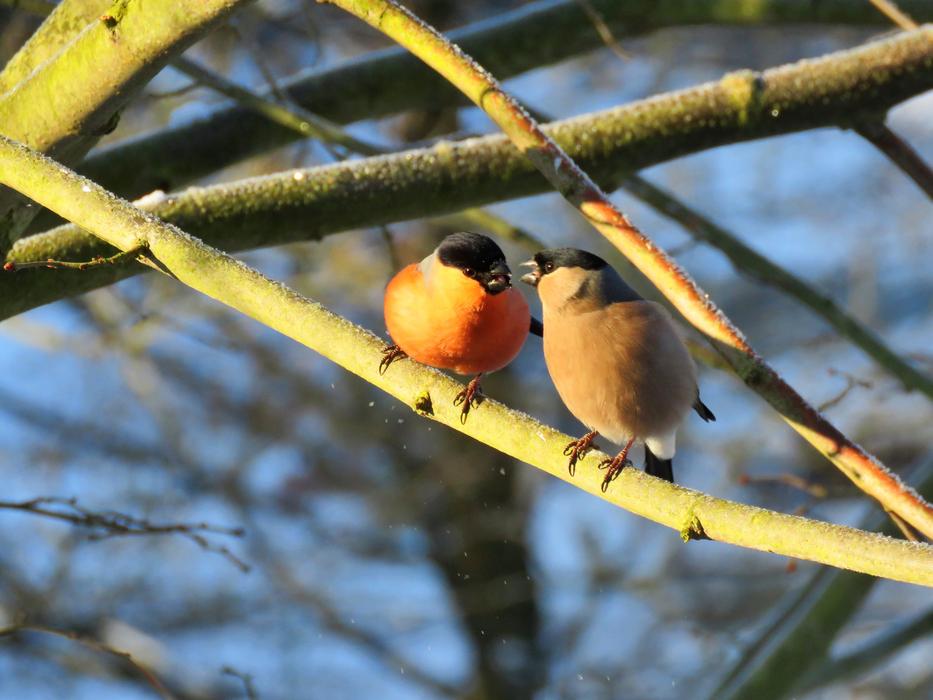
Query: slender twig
[
  {"x": 865, "y": 471},
  {"x": 747, "y": 260},
  {"x": 291, "y": 116},
  {"x": 245, "y": 678},
  {"x": 96, "y": 645},
  {"x": 117, "y": 258},
  {"x": 603, "y": 29},
  {"x": 901, "y": 153},
  {"x": 881, "y": 136},
  {"x": 890, "y": 10},
  {"x": 430, "y": 393},
  {"x": 106, "y": 524}
]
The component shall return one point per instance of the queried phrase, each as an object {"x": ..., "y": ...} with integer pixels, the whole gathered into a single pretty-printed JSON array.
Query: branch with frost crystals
[
  {"x": 68, "y": 102},
  {"x": 309, "y": 204},
  {"x": 430, "y": 393},
  {"x": 529, "y": 38},
  {"x": 576, "y": 186},
  {"x": 748, "y": 261}
]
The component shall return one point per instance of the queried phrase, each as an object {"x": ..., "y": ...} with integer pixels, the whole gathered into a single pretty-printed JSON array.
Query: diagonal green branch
[
  {"x": 307, "y": 204},
  {"x": 68, "y": 102},
  {"x": 430, "y": 393},
  {"x": 536, "y": 35},
  {"x": 576, "y": 186},
  {"x": 747, "y": 260}
]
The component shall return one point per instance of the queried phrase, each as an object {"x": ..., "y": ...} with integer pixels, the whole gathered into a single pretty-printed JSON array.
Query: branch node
[
  {"x": 423, "y": 404},
  {"x": 692, "y": 528}
]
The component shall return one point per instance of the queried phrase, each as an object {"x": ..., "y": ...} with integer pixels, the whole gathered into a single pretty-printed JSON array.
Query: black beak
[
  {"x": 498, "y": 279},
  {"x": 534, "y": 276}
]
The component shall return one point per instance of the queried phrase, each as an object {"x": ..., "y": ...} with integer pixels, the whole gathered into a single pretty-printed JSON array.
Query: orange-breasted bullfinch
[
  {"x": 457, "y": 310},
  {"x": 616, "y": 359}
]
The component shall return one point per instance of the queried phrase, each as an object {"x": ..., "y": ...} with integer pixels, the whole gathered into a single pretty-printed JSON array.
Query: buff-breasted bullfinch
[
  {"x": 616, "y": 360},
  {"x": 457, "y": 310}
]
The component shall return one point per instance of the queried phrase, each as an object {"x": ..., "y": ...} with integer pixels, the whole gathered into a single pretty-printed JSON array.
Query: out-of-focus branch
[
  {"x": 68, "y": 102},
  {"x": 758, "y": 266},
  {"x": 890, "y": 10},
  {"x": 296, "y": 118},
  {"x": 795, "y": 643},
  {"x": 430, "y": 393},
  {"x": 881, "y": 136},
  {"x": 449, "y": 177},
  {"x": 528, "y": 38},
  {"x": 95, "y": 644},
  {"x": 576, "y": 186},
  {"x": 900, "y": 153},
  {"x": 104, "y": 524},
  {"x": 870, "y": 653}
]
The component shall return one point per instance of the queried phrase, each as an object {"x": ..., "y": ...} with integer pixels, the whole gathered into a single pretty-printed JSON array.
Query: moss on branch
[
  {"x": 223, "y": 278},
  {"x": 536, "y": 35},
  {"x": 68, "y": 102},
  {"x": 308, "y": 204},
  {"x": 577, "y": 187}
]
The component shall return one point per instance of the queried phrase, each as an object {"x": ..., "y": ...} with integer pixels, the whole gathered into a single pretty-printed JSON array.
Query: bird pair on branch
[{"x": 616, "y": 360}]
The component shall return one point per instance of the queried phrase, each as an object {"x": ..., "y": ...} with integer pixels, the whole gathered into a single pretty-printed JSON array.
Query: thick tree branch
[
  {"x": 66, "y": 104},
  {"x": 536, "y": 35},
  {"x": 308, "y": 204},
  {"x": 430, "y": 393},
  {"x": 65, "y": 21},
  {"x": 584, "y": 194}
]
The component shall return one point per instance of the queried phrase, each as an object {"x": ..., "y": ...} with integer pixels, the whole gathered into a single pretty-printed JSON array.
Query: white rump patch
[{"x": 663, "y": 446}]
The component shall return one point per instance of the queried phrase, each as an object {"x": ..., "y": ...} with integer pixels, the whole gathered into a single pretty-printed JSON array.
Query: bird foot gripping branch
[
  {"x": 615, "y": 465},
  {"x": 390, "y": 354},
  {"x": 577, "y": 450}
]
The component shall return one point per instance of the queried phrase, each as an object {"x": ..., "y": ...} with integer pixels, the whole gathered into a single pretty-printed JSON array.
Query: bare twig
[
  {"x": 901, "y": 153},
  {"x": 245, "y": 678},
  {"x": 605, "y": 33},
  {"x": 865, "y": 471},
  {"x": 96, "y": 645},
  {"x": 104, "y": 524},
  {"x": 122, "y": 256},
  {"x": 890, "y": 10}
]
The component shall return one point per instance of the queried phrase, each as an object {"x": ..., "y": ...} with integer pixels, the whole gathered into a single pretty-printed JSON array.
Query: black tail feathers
[
  {"x": 703, "y": 410},
  {"x": 535, "y": 327},
  {"x": 661, "y": 468}
]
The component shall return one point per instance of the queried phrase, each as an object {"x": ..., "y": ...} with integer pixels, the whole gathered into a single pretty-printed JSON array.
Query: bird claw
[
  {"x": 471, "y": 397},
  {"x": 390, "y": 354},
  {"x": 577, "y": 450},
  {"x": 613, "y": 468}
]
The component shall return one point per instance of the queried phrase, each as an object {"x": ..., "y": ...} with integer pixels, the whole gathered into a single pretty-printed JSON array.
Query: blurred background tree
[{"x": 385, "y": 556}]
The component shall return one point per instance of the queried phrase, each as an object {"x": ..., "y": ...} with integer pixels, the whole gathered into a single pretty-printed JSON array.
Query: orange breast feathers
[{"x": 445, "y": 319}]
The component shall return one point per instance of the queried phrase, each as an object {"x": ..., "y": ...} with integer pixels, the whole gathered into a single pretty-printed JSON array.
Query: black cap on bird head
[
  {"x": 478, "y": 257},
  {"x": 546, "y": 261}
]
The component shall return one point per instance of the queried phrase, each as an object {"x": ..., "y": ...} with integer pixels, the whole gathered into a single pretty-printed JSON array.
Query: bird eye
[
  {"x": 549, "y": 267},
  {"x": 469, "y": 272}
]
